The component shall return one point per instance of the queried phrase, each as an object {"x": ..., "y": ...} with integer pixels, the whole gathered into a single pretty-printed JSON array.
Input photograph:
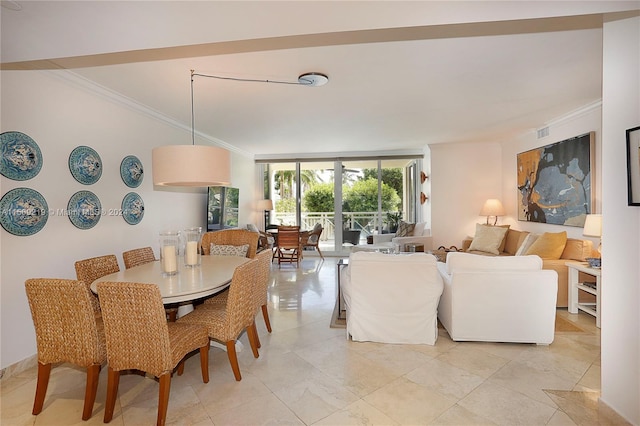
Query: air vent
[{"x": 543, "y": 133}]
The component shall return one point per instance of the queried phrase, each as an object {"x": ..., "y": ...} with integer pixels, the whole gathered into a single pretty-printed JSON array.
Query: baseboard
[{"x": 19, "y": 367}]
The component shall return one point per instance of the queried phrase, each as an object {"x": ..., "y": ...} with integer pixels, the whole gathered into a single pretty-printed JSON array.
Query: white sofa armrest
[{"x": 382, "y": 238}]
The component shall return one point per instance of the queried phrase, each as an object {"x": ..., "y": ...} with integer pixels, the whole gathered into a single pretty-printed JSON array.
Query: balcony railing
[{"x": 366, "y": 222}]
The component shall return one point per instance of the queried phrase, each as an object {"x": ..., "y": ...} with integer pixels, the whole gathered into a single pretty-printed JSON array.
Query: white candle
[
  {"x": 191, "y": 253},
  {"x": 169, "y": 261}
]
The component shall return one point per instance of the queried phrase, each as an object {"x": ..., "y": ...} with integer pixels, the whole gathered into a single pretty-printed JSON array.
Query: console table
[{"x": 591, "y": 287}]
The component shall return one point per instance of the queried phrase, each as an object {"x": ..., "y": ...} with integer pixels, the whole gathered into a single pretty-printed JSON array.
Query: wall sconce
[
  {"x": 492, "y": 207},
  {"x": 423, "y": 177},
  {"x": 423, "y": 198}
]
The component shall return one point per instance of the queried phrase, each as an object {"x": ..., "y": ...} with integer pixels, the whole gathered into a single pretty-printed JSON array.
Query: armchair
[
  {"x": 498, "y": 299},
  {"x": 421, "y": 235},
  {"x": 392, "y": 298}
]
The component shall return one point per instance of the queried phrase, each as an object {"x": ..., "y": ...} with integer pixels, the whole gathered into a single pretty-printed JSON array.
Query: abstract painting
[
  {"x": 555, "y": 182},
  {"x": 633, "y": 166}
]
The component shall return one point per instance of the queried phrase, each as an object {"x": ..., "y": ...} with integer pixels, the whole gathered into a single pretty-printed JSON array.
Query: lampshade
[
  {"x": 190, "y": 165},
  {"x": 265, "y": 205},
  {"x": 492, "y": 207},
  {"x": 593, "y": 226}
]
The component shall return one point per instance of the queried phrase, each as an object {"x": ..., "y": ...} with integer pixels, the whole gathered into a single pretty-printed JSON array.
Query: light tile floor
[{"x": 309, "y": 373}]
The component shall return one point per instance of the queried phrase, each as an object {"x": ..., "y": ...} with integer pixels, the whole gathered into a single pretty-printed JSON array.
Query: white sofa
[
  {"x": 421, "y": 235},
  {"x": 498, "y": 299},
  {"x": 392, "y": 298}
]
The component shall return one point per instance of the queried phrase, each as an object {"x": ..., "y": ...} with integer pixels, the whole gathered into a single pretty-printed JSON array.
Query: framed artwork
[
  {"x": 633, "y": 166},
  {"x": 555, "y": 182}
]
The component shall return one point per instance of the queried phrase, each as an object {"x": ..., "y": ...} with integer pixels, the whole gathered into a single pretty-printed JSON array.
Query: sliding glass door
[{"x": 352, "y": 199}]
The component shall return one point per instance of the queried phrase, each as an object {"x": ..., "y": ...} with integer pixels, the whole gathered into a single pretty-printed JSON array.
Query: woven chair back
[
  {"x": 241, "y": 308},
  {"x": 138, "y": 256},
  {"x": 89, "y": 270},
  {"x": 263, "y": 274},
  {"x": 135, "y": 327},
  {"x": 65, "y": 323},
  {"x": 232, "y": 237}
]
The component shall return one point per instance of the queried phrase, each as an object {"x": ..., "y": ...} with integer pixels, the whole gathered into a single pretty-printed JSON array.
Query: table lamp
[
  {"x": 267, "y": 206},
  {"x": 492, "y": 207},
  {"x": 593, "y": 228}
]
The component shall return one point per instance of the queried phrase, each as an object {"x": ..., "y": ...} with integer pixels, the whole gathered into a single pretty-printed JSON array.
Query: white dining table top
[{"x": 213, "y": 275}]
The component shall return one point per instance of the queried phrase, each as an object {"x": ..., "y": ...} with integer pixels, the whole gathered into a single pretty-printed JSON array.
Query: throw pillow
[
  {"x": 488, "y": 238},
  {"x": 526, "y": 243},
  {"x": 229, "y": 250},
  {"x": 577, "y": 250},
  {"x": 549, "y": 245},
  {"x": 405, "y": 229}
]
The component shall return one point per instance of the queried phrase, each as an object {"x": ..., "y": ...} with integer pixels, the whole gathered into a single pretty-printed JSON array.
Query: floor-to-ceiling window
[{"x": 351, "y": 199}]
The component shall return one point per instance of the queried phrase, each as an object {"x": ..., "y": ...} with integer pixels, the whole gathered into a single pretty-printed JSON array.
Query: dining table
[{"x": 190, "y": 283}]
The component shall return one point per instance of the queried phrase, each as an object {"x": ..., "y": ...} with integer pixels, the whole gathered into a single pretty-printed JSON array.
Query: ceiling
[{"x": 401, "y": 74}]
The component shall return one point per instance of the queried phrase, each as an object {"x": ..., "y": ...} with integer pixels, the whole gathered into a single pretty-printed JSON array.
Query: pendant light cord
[{"x": 252, "y": 80}]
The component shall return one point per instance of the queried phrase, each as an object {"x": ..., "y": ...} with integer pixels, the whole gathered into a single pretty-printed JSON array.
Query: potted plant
[{"x": 393, "y": 220}]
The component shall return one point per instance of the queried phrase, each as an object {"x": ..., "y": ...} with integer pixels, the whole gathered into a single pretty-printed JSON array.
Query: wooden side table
[{"x": 591, "y": 287}]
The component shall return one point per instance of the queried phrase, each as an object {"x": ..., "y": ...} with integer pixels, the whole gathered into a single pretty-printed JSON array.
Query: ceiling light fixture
[{"x": 202, "y": 165}]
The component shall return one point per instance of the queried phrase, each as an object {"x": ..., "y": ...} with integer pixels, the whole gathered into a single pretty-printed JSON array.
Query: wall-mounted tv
[{"x": 222, "y": 207}]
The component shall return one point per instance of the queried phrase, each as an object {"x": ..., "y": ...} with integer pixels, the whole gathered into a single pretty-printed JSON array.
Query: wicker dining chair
[
  {"x": 225, "y": 323},
  {"x": 67, "y": 330},
  {"x": 261, "y": 286},
  {"x": 140, "y": 256},
  {"x": 232, "y": 237},
  {"x": 139, "y": 337},
  {"x": 89, "y": 270}
]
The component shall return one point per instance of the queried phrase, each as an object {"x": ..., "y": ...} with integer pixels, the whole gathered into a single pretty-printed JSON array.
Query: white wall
[
  {"x": 60, "y": 116},
  {"x": 620, "y": 367},
  {"x": 463, "y": 177}
]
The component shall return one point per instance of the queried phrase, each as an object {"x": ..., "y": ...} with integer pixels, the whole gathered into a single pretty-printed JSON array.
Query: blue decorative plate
[
  {"x": 21, "y": 156},
  {"x": 23, "y": 211},
  {"x": 131, "y": 171},
  {"x": 85, "y": 165},
  {"x": 132, "y": 208},
  {"x": 84, "y": 209}
]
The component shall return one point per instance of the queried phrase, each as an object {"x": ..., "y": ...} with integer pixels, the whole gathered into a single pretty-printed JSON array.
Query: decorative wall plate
[
  {"x": 132, "y": 208},
  {"x": 21, "y": 157},
  {"x": 23, "y": 211},
  {"x": 84, "y": 209},
  {"x": 131, "y": 171},
  {"x": 85, "y": 165}
]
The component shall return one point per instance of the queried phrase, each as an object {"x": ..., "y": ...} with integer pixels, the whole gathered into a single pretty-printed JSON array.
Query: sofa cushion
[
  {"x": 405, "y": 229},
  {"x": 549, "y": 245},
  {"x": 229, "y": 250},
  {"x": 526, "y": 243},
  {"x": 513, "y": 240},
  {"x": 459, "y": 260},
  {"x": 488, "y": 238},
  {"x": 577, "y": 250}
]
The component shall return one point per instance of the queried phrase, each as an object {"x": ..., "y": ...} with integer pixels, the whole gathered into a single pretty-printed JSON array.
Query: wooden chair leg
[
  {"x": 181, "y": 367},
  {"x": 265, "y": 315},
  {"x": 163, "y": 398},
  {"x": 204, "y": 363},
  {"x": 44, "y": 372},
  {"x": 233, "y": 359},
  {"x": 252, "y": 333},
  {"x": 113, "y": 380},
  {"x": 173, "y": 315},
  {"x": 319, "y": 252},
  {"x": 93, "y": 373}
]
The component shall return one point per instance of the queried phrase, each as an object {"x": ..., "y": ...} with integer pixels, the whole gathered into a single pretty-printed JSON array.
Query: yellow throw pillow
[
  {"x": 488, "y": 238},
  {"x": 549, "y": 245}
]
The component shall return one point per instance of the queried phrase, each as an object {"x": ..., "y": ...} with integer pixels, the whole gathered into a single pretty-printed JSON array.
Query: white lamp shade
[
  {"x": 190, "y": 165},
  {"x": 265, "y": 205},
  {"x": 492, "y": 207},
  {"x": 593, "y": 226}
]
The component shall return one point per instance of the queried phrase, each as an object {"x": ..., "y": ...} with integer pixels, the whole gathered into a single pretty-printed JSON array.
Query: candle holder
[
  {"x": 169, "y": 251},
  {"x": 191, "y": 238}
]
